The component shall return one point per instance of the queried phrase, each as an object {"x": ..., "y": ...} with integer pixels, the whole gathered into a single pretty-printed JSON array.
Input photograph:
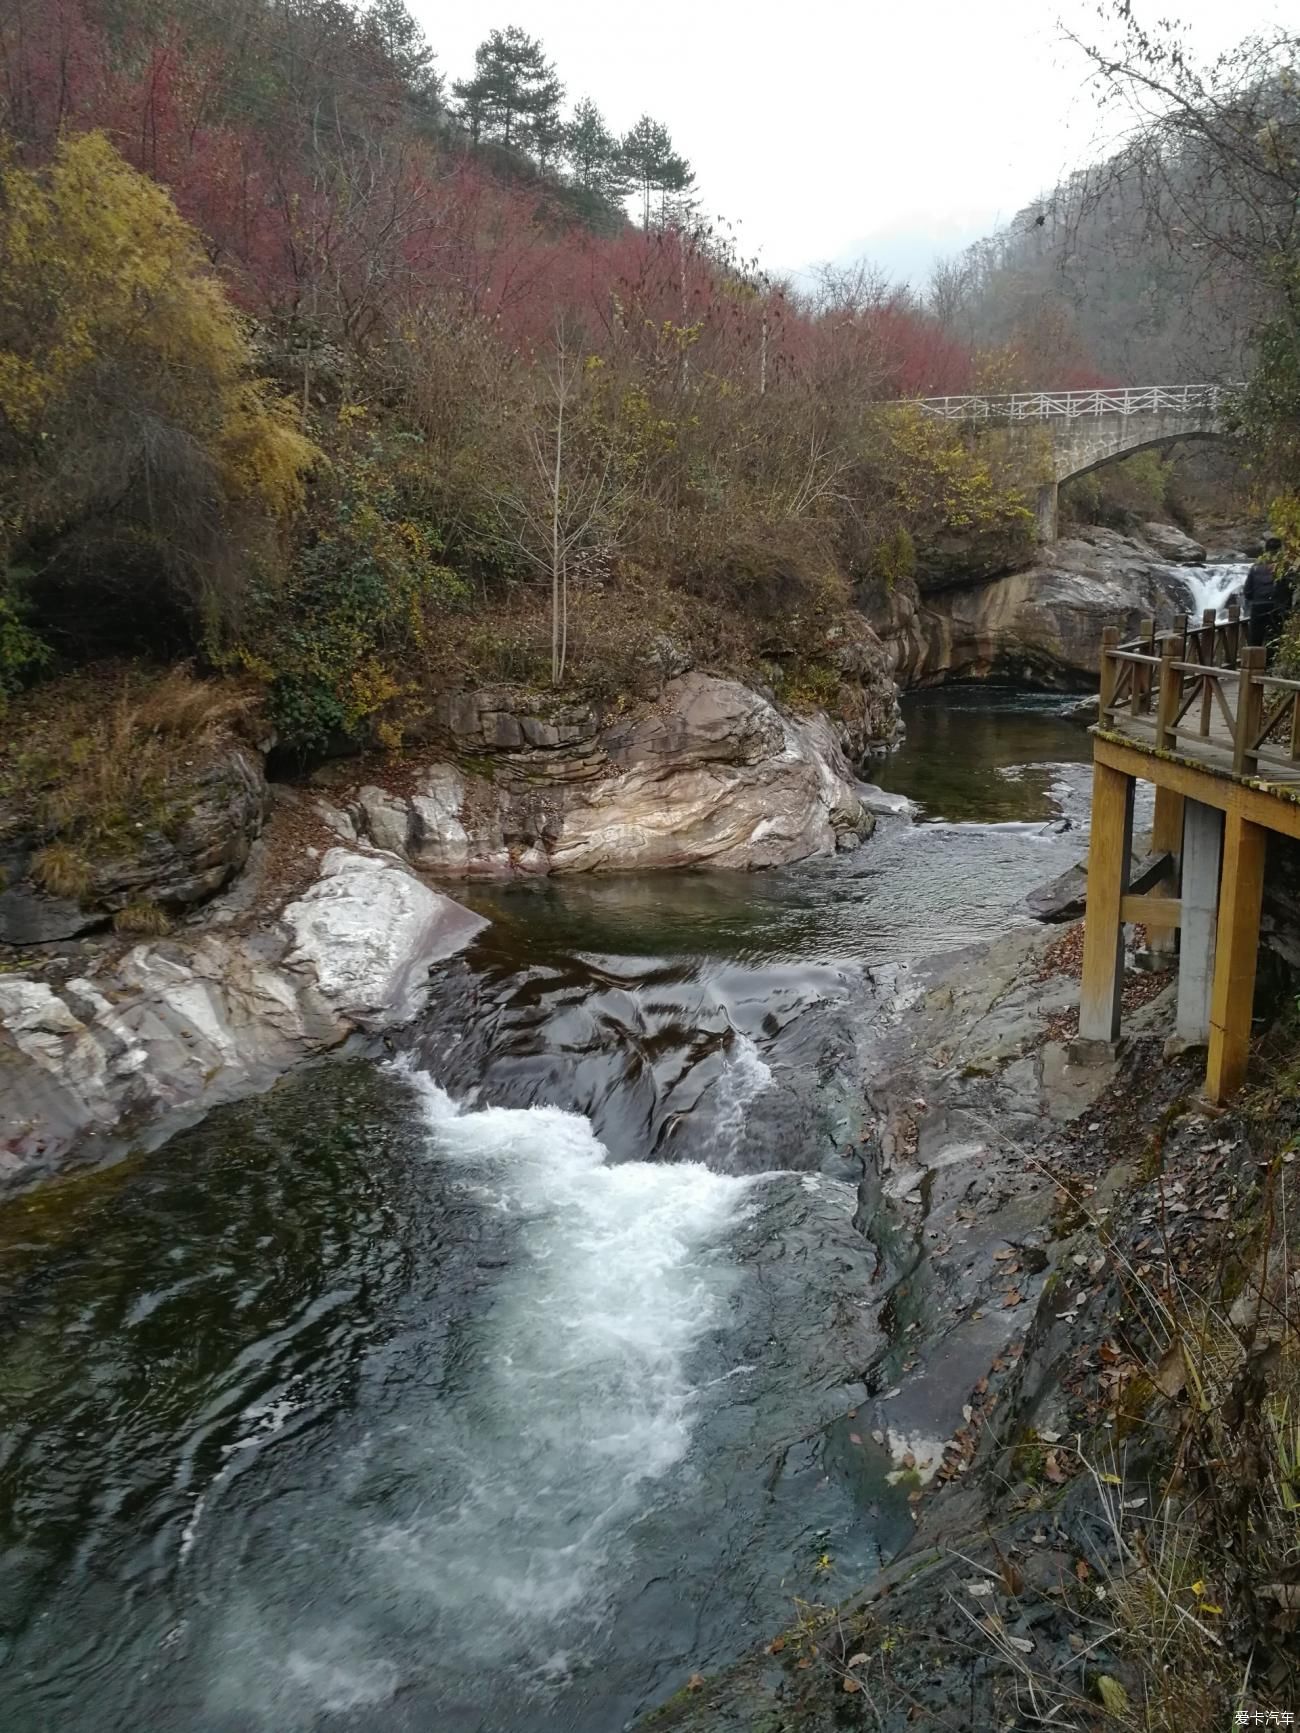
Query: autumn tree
[
  {"x": 138, "y": 455},
  {"x": 514, "y": 96},
  {"x": 1214, "y": 151}
]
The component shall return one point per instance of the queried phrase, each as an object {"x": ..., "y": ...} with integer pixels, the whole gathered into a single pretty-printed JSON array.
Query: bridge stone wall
[
  {"x": 1089, "y": 428},
  {"x": 1087, "y": 442}
]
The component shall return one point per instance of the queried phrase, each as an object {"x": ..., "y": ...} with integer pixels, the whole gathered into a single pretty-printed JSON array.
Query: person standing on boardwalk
[{"x": 1267, "y": 594}]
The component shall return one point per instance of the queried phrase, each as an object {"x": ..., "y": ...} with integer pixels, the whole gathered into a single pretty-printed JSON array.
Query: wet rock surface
[
  {"x": 188, "y": 1022},
  {"x": 984, "y": 1134}
]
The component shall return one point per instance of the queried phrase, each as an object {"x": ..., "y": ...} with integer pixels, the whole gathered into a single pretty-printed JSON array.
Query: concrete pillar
[
  {"x": 1045, "y": 510},
  {"x": 1109, "y": 853},
  {"x": 1202, "y": 849},
  {"x": 1241, "y": 894},
  {"x": 1166, "y": 838}
]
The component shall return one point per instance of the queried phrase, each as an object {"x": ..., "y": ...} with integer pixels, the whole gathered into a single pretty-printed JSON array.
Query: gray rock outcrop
[
  {"x": 713, "y": 774},
  {"x": 180, "y": 1025},
  {"x": 1172, "y": 544},
  {"x": 211, "y": 821},
  {"x": 1042, "y": 625}
]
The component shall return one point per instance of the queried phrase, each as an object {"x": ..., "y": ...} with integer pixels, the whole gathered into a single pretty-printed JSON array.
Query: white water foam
[
  {"x": 578, "y": 1392},
  {"x": 745, "y": 1075},
  {"x": 1212, "y": 586}
]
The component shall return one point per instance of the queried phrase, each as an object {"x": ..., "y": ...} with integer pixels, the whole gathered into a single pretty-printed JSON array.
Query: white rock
[
  {"x": 386, "y": 819},
  {"x": 441, "y": 842},
  {"x": 368, "y": 932}
]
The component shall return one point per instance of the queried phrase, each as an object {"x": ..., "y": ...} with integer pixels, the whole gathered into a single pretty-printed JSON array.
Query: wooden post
[
  {"x": 1141, "y": 698},
  {"x": 1107, "y": 671},
  {"x": 1207, "y": 657},
  {"x": 1109, "y": 854},
  {"x": 1232, "y": 634},
  {"x": 1170, "y": 690},
  {"x": 1241, "y": 893},
  {"x": 1166, "y": 838},
  {"x": 1250, "y": 711}
]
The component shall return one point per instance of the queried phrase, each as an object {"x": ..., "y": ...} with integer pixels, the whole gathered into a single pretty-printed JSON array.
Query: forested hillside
[{"x": 333, "y": 376}]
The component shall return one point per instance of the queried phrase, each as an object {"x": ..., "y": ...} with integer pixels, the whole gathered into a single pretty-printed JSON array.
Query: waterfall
[{"x": 1213, "y": 586}]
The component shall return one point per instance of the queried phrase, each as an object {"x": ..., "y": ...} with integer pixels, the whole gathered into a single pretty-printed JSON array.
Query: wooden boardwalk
[{"x": 1196, "y": 712}]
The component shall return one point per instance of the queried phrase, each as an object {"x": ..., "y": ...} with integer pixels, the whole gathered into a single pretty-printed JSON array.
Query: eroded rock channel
[{"x": 502, "y": 1376}]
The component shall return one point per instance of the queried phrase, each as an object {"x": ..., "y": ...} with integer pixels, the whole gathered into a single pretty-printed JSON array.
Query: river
[{"x": 502, "y": 1381}]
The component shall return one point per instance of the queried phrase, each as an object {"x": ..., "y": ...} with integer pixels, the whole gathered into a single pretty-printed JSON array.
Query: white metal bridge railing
[{"x": 1208, "y": 401}]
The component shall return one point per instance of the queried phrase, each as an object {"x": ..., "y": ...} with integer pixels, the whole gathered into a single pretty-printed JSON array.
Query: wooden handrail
[{"x": 1262, "y": 722}]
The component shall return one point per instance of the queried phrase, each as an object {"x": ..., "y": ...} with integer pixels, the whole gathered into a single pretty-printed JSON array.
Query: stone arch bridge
[{"x": 1090, "y": 428}]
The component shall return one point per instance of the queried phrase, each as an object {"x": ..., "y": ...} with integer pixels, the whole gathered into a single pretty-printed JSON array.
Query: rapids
[{"x": 500, "y": 1381}]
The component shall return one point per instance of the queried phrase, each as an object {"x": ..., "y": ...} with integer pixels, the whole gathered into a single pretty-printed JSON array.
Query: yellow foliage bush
[{"x": 132, "y": 430}]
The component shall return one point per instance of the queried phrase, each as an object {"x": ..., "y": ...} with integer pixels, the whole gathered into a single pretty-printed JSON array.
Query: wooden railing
[{"x": 1202, "y": 687}]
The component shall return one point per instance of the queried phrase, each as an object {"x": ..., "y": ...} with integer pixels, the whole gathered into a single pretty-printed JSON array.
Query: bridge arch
[{"x": 1091, "y": 428}]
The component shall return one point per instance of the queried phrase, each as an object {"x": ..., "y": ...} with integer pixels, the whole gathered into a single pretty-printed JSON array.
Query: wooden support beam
[
  {"x": 1280, "y": 811},
  {"x": 1109, "y": 854},
  {"x": 1241, "y": 893},
  {"x": 1152, "y": 911}
]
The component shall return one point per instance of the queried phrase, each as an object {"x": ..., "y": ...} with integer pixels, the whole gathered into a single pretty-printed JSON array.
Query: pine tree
[
  {"x": 406, "y": 48},
  {"x": 654, "y": 167},
  {"x": 593, "y": 154},
  {"x": 514, "y": 96}
]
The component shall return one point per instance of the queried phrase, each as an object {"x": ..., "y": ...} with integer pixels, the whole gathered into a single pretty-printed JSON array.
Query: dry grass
[
  {"x": 61, "y": 871},
  {"x": 1201, "y": 1603},
  {"x": 142, "y": 919},
  {"x": 89, "y": 760}
]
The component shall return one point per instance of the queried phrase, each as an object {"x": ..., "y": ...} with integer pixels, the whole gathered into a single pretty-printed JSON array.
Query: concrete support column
[
  {"x": 1241, "y": 894},
  {"x": 1166, "y": 838},
  {"x": 1109, "y": 854},
  {"x": 1045, "y": 510},
  {"x": 1202, "y": 850}
]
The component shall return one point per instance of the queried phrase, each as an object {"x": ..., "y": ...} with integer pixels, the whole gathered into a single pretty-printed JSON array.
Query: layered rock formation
[
  {"x": 713, "y": 774},
  {"x": 196, "y": 843},
  {"x": 1041, "y": 626},
  {"x": 186, "y": 1023}
]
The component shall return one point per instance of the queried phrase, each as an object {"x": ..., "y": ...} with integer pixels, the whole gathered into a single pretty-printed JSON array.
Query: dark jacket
[{"x": 1265, "y": 589}]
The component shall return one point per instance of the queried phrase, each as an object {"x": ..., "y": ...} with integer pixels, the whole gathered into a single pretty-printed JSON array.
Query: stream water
[{"x": 501, "y": 1383}]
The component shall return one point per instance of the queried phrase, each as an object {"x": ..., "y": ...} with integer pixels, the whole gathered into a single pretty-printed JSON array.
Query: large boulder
[
  {"x": 1171, "y": 544},
  {"x": 195, "y": 842},
  {"x": 711, "y": 774},
  {"x": 1043, "y": 626},
  {"x": 183, "y": 1024}
]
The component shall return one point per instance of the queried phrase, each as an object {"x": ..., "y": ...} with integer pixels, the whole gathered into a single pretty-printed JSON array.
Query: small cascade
[{"x": 1213, "y": 586}]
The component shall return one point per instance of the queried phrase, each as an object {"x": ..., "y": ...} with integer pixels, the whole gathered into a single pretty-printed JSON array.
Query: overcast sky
[{"x": 898, "y": 130}]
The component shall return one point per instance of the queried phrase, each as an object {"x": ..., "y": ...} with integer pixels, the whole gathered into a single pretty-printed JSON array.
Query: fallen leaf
[
  {"x": 1012, "y": 1299},
  {"x": 858, "y": 1660},
  {"x": 1021, "y": 1643},
  {"x": 854, "y": 1439},
  {"x": 776, "y": 1645},
  {"x": 979, "y": 1589},
  {"x": 851, "y": 1685},
  {"x": 1005, "y": 1253},
  {"x": 1053, "y": 1470},
  {"x": 695, "y": 1682},
  {"x": 1048, "y": 1437},
  {"x": 890, "y": 1394},
  {"x": 1081, "y": 1570}
]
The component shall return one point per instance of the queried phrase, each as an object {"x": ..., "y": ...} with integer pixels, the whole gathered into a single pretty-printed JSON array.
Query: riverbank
[
  {"x": 424, "y": 1376},
  {"x": 1093, "y": 1320}
]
